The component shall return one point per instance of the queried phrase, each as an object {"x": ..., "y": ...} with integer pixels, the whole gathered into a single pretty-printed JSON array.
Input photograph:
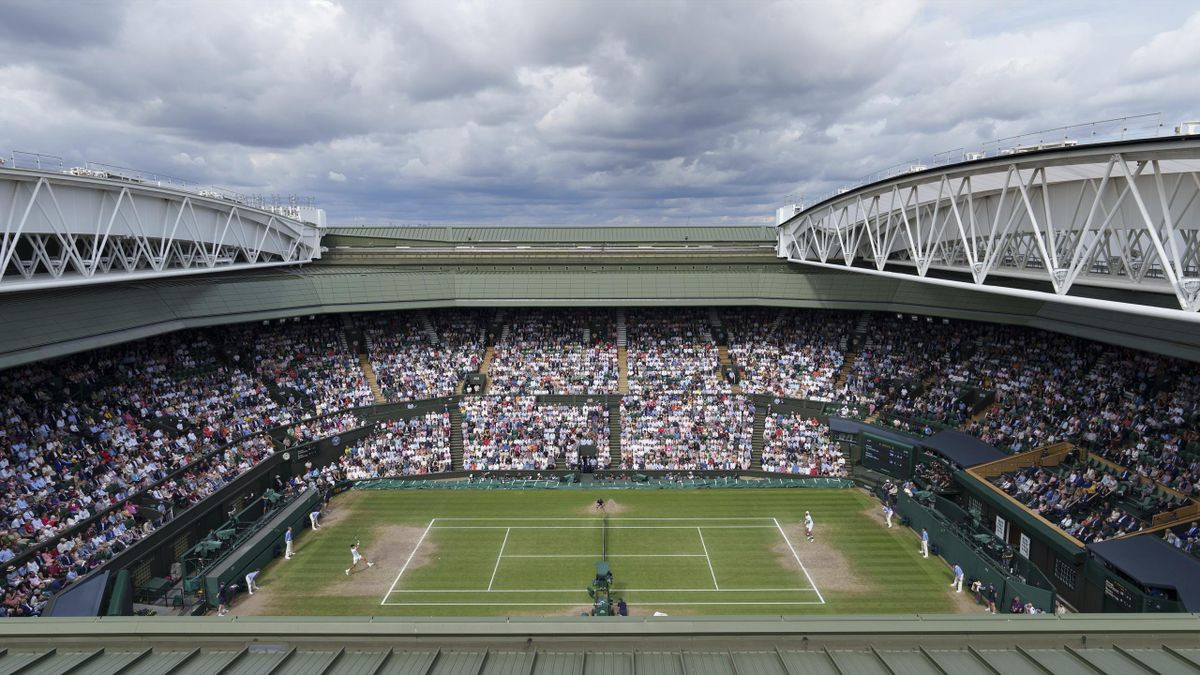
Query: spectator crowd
[
  {"x": 669, "y": 432},
  {"x": 787, "y": 352},
  {"x": 801, "y": 445},
  {"x": 506, "y": 433},
  {"x": 406, "y": 447},
  {"x": 1087, "y": 500},
  {"x": 416, "y": 360},
  {"x": 323, "y": 427},
  {"x": 556, "y": 352},
  {"x": 98, "y": 449},
  {"x": 673, "y": 353}
]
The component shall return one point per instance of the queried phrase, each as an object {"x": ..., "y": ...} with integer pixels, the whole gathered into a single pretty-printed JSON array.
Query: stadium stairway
[
  {"x": 622, "y": 370},
  {"x": 983, "y": 412},
  {"x": 849, "y": 354},
  {"x": 622, "y": 330},
  {"x": 775, "y": 324},
  {"x": 614, "y": 433},
  {"x": 456, "y": 438},
  {"x": 847, "y": 365},
  {"x": 485, "y": 366},
  {"x": 372, "y": 381},
  {"x": 757, "y": 441},
  {"x": 287, "y": 397},
  {"x": 430, "y": 331},
  {"x": 726, "y": 362},
  {"x": 714, "y": 317}
]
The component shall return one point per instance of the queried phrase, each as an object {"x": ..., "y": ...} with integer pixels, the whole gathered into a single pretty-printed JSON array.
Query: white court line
[
  {"x": 716, "y": 586},
  {"x": 615, "y": 588},
  {"x": 499, "y": 558},
  {"x": 584, "y": 604},
  {"x": 797, "y": 557},
  {"x": 597, "y": 527},
  {"x": 611, "y": 555},
  {"x": 406, "y": 562}
]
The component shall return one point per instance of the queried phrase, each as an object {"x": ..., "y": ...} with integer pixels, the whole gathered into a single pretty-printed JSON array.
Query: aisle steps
[
  {"x": 860, "y": 331},
  {"x": 485, "y": 367},
  {"x": 614, "y": 433},
  {"x": 622, "y": 370},
  {"x": 726, "y": 362},
  {"x": 984, "y": 412},
  {"x": 456, "y": 438},
  {"x": 844, "y": 373},
  {"x": 430, "y": 331},
  {"x": 372, "y": 381},
  {"x": 714, "y": 317},
  {"x": 775, "y": 324},
  {"x": 347, "y": 325},
  {"x": 756, "y": 440}
]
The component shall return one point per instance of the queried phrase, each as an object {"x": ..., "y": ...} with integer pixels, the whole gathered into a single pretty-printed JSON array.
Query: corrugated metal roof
[
  {"x": 508, "y": 663},
  {"x": 550, "y": 235},
  {"x": 863, "y": 661}
]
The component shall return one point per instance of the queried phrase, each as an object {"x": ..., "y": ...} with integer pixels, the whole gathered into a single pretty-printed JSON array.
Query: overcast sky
[{"x": 647, "y": 112}]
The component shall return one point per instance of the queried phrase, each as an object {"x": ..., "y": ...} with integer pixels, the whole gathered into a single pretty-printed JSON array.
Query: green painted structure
[{"x": 774, "y": 645}]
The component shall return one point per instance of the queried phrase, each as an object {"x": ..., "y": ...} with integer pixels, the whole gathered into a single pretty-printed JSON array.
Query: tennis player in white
[
  {"x": 808, "y": 526},
  {"x": 356, "y": 557}
]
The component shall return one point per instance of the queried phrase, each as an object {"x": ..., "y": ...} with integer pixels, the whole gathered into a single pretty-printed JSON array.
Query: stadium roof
[
  {"x": 963, "y": 449},
  {"x": 51, "y": 323},
  {"x": 853, "y": 426},
  {"x": 1150, "y": 561},
  {"x": 614, "y": 646}
]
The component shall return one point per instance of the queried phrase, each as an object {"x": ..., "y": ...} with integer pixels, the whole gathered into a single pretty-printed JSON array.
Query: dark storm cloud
[
  {"x": 568, "y": 112},
  {"x": 54, "y": 24}
]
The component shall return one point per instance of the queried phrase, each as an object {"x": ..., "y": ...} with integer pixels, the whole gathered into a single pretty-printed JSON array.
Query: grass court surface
[{"x": 511, "y": 552}]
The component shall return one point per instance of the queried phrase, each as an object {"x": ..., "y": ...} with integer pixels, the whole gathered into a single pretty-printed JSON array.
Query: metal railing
[
  {"x": 288, "y": 206},
  {"x": 1133, "y": 127}
]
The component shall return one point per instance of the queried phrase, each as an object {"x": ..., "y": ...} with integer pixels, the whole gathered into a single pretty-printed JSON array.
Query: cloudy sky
[{"x": 648, "y": 111}]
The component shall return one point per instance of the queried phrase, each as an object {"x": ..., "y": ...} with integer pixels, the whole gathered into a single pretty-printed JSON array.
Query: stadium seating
[
  {"x": 556, "y": 352},
  {"x": 516, "y": 433},
  {"x": 673, "y": 353},
  {"x": 671, "y": 432},
  {"x": 415, "y": 446},
  {"x": 791, "y": 353},
  {"x": 413, "y": 360},
  {"x": 324, "y": 427},
  {"x": 800, "y": 445},
  {"x": 1089, "y": 500},
  {"x": 92, "y": 433}
]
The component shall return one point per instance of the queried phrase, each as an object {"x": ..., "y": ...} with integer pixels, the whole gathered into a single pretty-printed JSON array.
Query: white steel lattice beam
[
  {"x": 1116, "y": 217},
  {"x": 59, "y": 230}
]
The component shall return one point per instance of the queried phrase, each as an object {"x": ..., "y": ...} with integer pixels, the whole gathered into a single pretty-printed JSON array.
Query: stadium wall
[
  {"x": 1059, "y": 557},
  {"x": 48, "y": 324}
]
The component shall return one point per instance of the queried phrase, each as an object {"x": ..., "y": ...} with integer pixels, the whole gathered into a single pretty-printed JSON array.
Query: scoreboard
[{"x": 887, "y": 456}]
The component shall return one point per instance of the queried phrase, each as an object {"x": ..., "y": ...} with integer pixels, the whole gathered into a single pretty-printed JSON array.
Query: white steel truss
[
  {"x": 61, "y": 230},
  {"x": 1124, "y": 217}
]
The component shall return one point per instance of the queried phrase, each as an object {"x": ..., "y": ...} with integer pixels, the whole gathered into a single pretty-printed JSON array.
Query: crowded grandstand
[{"x": 103, "y": 448}]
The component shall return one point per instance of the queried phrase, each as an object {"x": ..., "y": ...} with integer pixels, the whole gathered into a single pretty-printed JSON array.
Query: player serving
[{"x": 356, "y": 557}]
